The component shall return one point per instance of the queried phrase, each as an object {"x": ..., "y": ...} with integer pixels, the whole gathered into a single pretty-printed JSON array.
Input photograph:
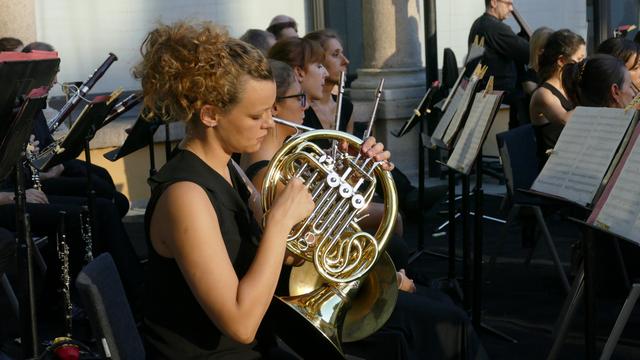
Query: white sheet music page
[
  {"x": 472, "y": 137},
  {"x": 451, "y": 109},
  {"x": 454, "y": 126},
  {"x": 618, "y": 209},
  {"x": 583, "y": 153}
]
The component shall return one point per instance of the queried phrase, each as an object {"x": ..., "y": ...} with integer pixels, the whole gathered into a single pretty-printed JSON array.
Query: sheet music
[
  {"x": 454, "y": 126},
  {"x": 583, "y": 153},
  {"x": 618, "y": 211},
  {"x": 473, "y": 134},
  {"x": 445, "y": 120}
]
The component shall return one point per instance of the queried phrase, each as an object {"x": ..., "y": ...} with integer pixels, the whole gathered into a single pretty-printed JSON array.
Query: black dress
[
  {"x": 311, "y": 120},
  {"x": 547, "y": 135},
  {"x": 176, "y": 326}
]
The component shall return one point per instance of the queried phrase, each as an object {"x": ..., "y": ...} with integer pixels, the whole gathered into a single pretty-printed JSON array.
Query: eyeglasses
[{"x": 302, "y": 97}]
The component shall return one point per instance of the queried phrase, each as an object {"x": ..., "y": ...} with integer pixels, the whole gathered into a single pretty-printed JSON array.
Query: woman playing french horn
[{"x": 209, "y": 280}]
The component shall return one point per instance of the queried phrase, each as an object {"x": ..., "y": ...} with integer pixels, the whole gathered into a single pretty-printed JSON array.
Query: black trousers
[{"x": 73, "y": 182}]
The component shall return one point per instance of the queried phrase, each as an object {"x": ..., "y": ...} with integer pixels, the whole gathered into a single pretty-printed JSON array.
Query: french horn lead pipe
[{"x": 291, "y": 124}]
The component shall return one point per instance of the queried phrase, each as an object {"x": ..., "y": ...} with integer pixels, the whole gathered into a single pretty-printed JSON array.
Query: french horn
[{"x": 348, "y": 279}]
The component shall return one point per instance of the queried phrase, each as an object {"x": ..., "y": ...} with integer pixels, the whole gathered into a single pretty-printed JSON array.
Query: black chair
[
  {"x": 517, "y": 149},
  {"x": 449, "y": 69},
  {"x": 106, "y": 305}
]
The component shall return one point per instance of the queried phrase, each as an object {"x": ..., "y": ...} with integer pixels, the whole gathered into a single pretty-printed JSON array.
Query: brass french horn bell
[{"x": 330, "y": 238}]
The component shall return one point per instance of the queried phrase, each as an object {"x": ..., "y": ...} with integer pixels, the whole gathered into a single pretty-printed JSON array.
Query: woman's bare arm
[{"x": 185, "y": 227}]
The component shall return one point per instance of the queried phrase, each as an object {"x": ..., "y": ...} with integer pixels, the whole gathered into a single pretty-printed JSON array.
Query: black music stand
[
  {"x": 21, "y": 74},
  {"x": 419, "y": 114},
  {"x": 451, "y": 184},
  {"x": 141, "y": 135},
  {"x": 465, "y": 155},
  {"x": 78, "y": 140}
]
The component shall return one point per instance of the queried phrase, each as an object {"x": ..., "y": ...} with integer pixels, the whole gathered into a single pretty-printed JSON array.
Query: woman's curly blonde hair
[{"x": 186, "y": 66}]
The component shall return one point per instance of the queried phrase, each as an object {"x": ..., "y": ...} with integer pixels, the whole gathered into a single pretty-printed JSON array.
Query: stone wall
[{"x": 17, "y": 19}]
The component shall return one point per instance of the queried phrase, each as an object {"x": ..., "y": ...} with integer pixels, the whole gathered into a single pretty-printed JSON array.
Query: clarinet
[
  {"x": 85, "y": 232},
  {"x": 66, "y": 110},
  {"x": 63, "y": 258},
  {"x": 64, "y": 347},
  {"x": 35, "y": 173}
]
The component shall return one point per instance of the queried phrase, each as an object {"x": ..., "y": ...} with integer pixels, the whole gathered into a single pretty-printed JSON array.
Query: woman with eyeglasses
[
  {"x": 550, "y": 107},
  {"x": 422, "y": 325}
]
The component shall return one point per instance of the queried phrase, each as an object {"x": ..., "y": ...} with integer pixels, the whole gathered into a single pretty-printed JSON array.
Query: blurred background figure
[
  {"x": 283, "y": 26},
  {"x": 261, "y": 39}
]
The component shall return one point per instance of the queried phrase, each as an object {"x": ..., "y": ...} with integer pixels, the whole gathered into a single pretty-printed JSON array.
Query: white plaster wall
[
  {"x": 84, "y": 32},
  {"x": 455, "y": 17}
]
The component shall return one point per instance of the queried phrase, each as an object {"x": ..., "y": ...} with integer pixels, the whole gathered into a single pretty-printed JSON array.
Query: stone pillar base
[{"x": 403, "y": 89}]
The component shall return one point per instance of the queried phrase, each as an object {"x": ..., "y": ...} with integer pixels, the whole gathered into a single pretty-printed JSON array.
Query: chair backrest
[
  {"x": 105, "y": 302},
  {"x": 518, "y": 154},
  {"x": 449, "y": 69}
]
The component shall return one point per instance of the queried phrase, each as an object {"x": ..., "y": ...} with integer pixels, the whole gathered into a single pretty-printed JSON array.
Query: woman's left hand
[{"x": 374, "y": 150}]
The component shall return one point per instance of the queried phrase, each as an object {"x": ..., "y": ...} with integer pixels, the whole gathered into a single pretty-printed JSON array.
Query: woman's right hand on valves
[{"x": 293, "y": 204}]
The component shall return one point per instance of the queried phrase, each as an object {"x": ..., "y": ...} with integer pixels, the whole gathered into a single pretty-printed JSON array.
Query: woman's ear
[
  {"x": 209, "y": 116},
  {"x": 274, "y": 109},
  {"x": 299, "y": 72},
  {"x": 616, "y": 95}
]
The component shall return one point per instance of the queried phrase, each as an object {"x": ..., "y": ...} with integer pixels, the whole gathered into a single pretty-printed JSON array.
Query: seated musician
[
  {"x": 531, "y": 80},
  {"x": 211, "y": 276},
  {"x": 415, "y": 328},
  {"x": 307, "y": 58},
  {"x": 599, "y": 80},
  {"x": 109, "y": 236},
  {"x": 629, "y": 52},
  {"x": 70, "y": 177},
  {"x": 550, "y": 107},
  {"x": 261, "y": 39}
]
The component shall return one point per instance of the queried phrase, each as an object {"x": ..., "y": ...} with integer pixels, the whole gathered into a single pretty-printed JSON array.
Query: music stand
[
  {"x": 78, "y": 140},
  {"x": 452, "y": 104},
  {"x": 21, "y": 74},
  {"x": 466, "y": 153},
  {"x": 615, "y": 214},
  {"x": 419, "y": 114},
  {"x": 141, "y": 135}
]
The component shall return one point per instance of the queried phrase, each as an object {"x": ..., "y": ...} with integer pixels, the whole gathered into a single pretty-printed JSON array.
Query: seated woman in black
[
  {"x": 629, "y": 52},
  {"x": 211, "y": 277},
  {"x": 550, "y": 109}
]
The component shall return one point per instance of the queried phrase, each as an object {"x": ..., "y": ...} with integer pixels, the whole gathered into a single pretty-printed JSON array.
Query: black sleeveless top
[
  {"x": 547, "y": 135},
  {"x": 176, "y": 326},
  {"x": 311, "y": 120}
]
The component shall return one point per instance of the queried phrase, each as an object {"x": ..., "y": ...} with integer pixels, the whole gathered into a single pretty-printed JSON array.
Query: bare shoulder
[
  {"x": 544, "y": 96},
  {"x": 184, "y": 208}
]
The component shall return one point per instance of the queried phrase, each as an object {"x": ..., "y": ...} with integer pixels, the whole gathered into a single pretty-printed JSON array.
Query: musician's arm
[
  {"x": 185, "y": 226},
  {"x": 544, "y": 104},
  {"x": 506, "y": 42}
]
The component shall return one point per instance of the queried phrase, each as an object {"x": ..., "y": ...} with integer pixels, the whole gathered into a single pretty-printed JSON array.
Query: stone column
[
  {"x": 391, "y": 51},
  {"x": 18, "y": 19}
]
